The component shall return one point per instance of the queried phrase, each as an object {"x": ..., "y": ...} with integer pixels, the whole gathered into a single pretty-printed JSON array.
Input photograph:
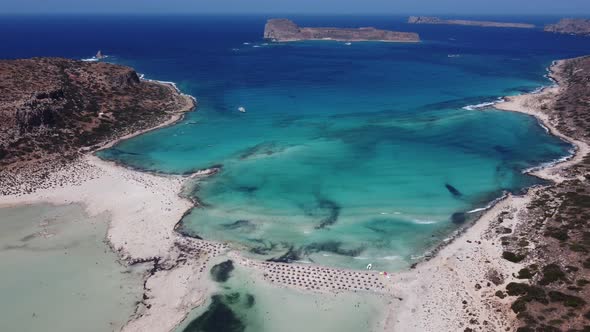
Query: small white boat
[
  {"x": 242, "y": 109},
  {"x": 348, "y": 44}
]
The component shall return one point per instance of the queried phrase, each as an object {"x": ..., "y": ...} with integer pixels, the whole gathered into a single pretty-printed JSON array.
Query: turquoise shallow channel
[{"x": 345, "y": 154}]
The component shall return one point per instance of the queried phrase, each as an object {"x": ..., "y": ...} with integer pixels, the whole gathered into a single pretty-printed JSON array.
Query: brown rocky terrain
[
  {"x": 52, "y": 109},
  {"x": 488, "y": 24},
  {"x": 554, "y": 243},
  {"x": 283, "y": 30},
  {"x": 576, "y": 26}
]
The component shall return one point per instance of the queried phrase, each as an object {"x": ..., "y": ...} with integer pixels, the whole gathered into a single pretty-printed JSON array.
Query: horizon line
[{"x": 286, "y": 13}]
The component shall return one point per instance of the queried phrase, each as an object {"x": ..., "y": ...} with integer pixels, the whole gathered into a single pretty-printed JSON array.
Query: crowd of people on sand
[{"x": 55, "y": 175}]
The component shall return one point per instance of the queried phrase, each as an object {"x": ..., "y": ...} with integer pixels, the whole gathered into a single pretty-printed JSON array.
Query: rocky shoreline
[
  {"x": 574, "y": 26},
  {"x": 552, "y": 243},
  {"x": 54, "y": 110}
]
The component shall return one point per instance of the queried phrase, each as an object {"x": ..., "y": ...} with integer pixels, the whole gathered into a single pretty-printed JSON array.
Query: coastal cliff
[
  {"x": 284, "y": 30},
  {"x": 486, "y": 24},
  {"x": 576, "y": 26},
  {"x": 51, "y": 108}
]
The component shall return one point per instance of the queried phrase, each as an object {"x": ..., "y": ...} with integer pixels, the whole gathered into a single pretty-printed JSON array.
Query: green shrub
[
  {"x": 525, "y": 273},
  {"x": 518, "y": 306},
  {"x": 551, "y": 273},
  {"x": 568, "y": 300},
  {"x": 512, "y": 257}
]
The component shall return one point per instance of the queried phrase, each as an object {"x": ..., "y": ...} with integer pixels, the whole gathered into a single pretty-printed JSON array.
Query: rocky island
[
  {"x": 575, "y": 26},
  {"x": 53, "y": 109},
  {"x": 284, "y": 30},
  {"x": 486, "y": 24}
]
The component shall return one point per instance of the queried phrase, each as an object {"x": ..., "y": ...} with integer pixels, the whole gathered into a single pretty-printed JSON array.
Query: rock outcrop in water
[
  {"x": 51, "y": 109},
  {"x": 575, "y": 26},
  {"x": 487, "y": 24},
  {"x": 284, "y": 30}
]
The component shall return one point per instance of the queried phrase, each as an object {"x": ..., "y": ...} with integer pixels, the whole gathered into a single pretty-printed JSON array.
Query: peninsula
[
  {"x": 485, "y": 24},
  {"x": 284, "y": 30},
  {"x": 574, "y": 26},
  {"x": 53, "y": 109}
]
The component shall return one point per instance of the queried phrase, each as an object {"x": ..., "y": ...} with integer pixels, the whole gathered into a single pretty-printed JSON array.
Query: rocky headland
[
  {"x": 575, "y": 26},
  {"x": 284, "y": 30},
  {"x": 486, "y": 24},
  {"x": 52, "y": 110}
]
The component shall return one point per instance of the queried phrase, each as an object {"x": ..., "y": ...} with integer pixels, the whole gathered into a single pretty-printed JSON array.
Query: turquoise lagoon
[{"x": 346, "y": 155}]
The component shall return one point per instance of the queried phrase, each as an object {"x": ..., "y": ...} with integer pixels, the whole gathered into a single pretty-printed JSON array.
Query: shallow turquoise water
[
  {"x": 346, "y": 154},
  {"x": 245, "y": 303},
  {"x": 59, "y": 274}
]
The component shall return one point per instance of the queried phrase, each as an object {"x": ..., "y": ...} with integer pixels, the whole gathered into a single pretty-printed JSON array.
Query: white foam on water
[
  {"x": 424, "y": 221},
  {"x": 483, "y": 105},
  {"x": 391, "y": 258},
  {"x": 490, "y": 205},
  {"x": 169, "y": 83},
  {"x": 552, "y": 163}
]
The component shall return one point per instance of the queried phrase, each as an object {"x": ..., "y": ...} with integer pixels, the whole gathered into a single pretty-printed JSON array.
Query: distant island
[
  {"x": 284, "y": 30},
  {"x": 487, "y": 24},
  {"x": 576, "y": 26}
]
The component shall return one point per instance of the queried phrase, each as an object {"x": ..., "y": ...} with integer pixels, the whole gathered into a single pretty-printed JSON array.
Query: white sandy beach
[{"x": 453, "y": 291}]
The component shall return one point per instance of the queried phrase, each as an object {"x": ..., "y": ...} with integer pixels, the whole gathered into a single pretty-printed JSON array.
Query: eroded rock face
[
  {"x": 284, "y": 30},
  {"x": 40, "y": 111},
  {"x": 576, "y": 26},
  {"x": 281, "y": 29}
]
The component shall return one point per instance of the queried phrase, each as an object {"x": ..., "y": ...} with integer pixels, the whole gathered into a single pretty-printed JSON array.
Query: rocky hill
[
  {"x": 487, "y": 24},
  {"x": 576, "y": 26},
  {"x": 52, "y": 109},
  {"x": 283, "y": 30}
]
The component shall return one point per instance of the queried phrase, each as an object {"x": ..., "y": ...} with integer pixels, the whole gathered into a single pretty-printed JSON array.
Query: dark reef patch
[
  {"x": 333, "y": 213},
  {"x": 232, "y": 298},
  {"x": 454, "y": 191},
  {"x": 250, "y": 301},
  {"x": 502, "y": 150},
  {"x": 264, "y": 248},
  {"x": 242, "y": 225},
  {"x": 28, "y": 237},
  {"x": 118, "y": 152},
  {"x": 289, "y": 257},
  {"x": 219, "y": 317},
  {"x": 458, "y": 218},
  {"x": 222, "y": 271},
  {"x": 264, "y": 148},
  {"x": 247, "y": 189},
  {"x": 333, "y": 247}
]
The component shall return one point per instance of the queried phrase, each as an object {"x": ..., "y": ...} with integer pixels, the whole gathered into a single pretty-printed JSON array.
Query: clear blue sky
[{"x": 457, "y": 7}]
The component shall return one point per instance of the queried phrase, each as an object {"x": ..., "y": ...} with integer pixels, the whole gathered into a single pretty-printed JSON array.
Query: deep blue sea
[{"x": 346, "y": 154}]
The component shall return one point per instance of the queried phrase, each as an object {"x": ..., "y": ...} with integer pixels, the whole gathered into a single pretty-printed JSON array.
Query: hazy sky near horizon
[{"x": 449, "y": 7}]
